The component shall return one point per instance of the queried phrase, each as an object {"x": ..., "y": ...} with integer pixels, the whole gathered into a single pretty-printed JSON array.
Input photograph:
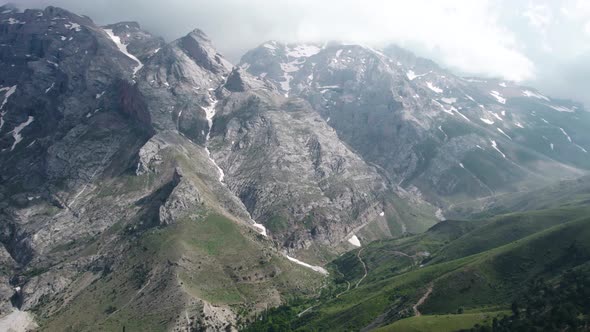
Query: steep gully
[{"x": 210, "y": 112}]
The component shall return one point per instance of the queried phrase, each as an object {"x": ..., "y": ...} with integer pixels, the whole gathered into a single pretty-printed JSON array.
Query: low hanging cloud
[{"x": 535, "y": 42}]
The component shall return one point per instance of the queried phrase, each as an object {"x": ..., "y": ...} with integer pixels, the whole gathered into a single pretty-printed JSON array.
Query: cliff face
[{"x": 450, "y": 137}]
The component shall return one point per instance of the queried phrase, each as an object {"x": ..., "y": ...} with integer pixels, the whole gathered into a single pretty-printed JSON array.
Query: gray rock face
[
  {"x": 290, "y": 169},
  {"x": 184, "y": 197},
  {"x": 451, "y": 137},
  {"x": 69, "y": 122},
  {"x": 139, "y": 42}
]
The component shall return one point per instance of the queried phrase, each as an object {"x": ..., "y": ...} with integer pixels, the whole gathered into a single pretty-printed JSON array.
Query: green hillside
[{"x": 454, "y": 276}]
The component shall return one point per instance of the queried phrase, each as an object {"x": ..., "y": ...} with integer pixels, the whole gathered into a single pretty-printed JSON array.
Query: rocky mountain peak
[
  {"x": 135, "y": 40},
  {"x": 234, "y": 81},
  {"x": 200, "y": 48},
  {"x": 200, "y": 35},
  {"x": 9, "y": 7}
]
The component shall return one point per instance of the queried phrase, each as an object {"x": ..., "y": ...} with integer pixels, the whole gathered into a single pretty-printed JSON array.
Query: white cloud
[
  {"x": 461, "y": 34},
  {"x": 539, "y": 15}
]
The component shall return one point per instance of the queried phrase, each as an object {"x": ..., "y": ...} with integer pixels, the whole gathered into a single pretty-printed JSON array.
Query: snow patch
[
  {"x": 52, "y": 63},
  {"x": 562, "y": 109},
  {"x": 17, "y": 130},
  {"x": 439, "y": 215},
  {"x": 449, "y": 100},
  {"x": 490, "y": 122},
  {"x": 461, "y": 114},
  {"x": 315, "y": 268},
  {"x": 49, "y": 88},
  {"x": 288, "y": 68},
  {"x": 495, "y": 146},
  {"x": 269, "y": 46},
  {"x": 123, "y": 48},
  {"x": 518, "y": 124},
  {"x": 209, "y": 114},
  {"x": 502, "y": 84},
  {"x": 12, "y": 21},
  {"x": 9, "y": 92},
  {"x": 411, "y": 75},
  {"x": 304, "y": 51},
  {"x": 532, "y": 94},
  {"x": 73, "y": 26},
  {"x": 581, "y": 148},
  {"x": 354, "y": 240},
  {"x": 261, "y": 228},
  {"x": 566, "y": 135},
  {"x": 433, "y": 87},
  {"x": 498, "y": 96},
  {"x": 503, "y": 133},
  {"x": 497, "y": 116}
]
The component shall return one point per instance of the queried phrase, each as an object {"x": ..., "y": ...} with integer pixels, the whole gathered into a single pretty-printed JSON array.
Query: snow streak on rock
[
  {"x": 313, "y": 267},
  {"x": 210, "y": 113},
  {"x": 16, "y": 132},
  {"x": 495, "y": 146},
  {"x": 123, "y": 48},
  {"x": 9, "y": 92}
]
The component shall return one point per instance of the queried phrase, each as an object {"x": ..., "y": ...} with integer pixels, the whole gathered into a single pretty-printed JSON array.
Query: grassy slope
[
  {"x": 485, "y": 277},
  {"x": 565, "y": 193},
  {"x": 211, "y": 259},
  {"x": 440, "y": 323}
]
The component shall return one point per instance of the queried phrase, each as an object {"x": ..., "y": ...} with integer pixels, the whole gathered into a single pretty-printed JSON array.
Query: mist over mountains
[{"x": 540, "y": 43}]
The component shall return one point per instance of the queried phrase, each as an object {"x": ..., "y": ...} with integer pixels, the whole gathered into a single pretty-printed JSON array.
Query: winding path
[
  {"x": 358, "y": 255},
  {"x": 423, "y": 299},
  {"x": 347, "y": 289}
]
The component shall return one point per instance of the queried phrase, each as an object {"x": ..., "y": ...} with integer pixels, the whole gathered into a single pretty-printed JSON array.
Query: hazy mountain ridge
[{"x": 451, "y": 137}]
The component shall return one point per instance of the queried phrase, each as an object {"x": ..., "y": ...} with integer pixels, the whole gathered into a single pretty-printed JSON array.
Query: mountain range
[{"x": 154, "y": 185}]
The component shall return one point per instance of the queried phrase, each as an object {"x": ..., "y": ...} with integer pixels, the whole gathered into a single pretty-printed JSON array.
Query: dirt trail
[
  {"x": 347, "y": 289},
  {"x": 358, "y": 255},
  {"x": 422, "y": 300}
]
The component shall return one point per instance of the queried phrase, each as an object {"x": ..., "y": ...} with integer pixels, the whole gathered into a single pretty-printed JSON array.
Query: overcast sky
[{"x": 543, "y": 43}]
